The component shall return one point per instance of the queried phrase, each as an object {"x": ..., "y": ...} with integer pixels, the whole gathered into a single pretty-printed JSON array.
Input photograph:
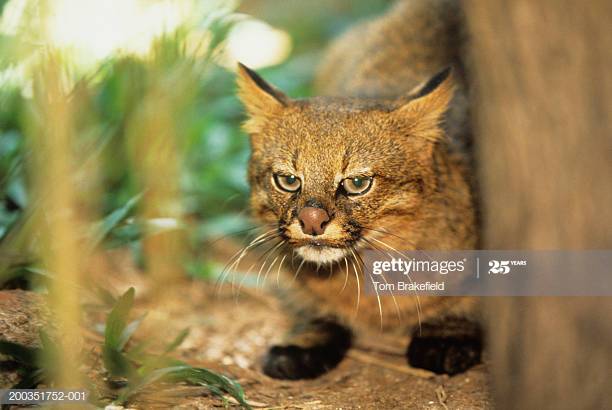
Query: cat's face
[{"x": 329, "y": 172}]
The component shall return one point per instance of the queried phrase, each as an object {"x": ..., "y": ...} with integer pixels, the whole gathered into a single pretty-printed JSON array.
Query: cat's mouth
[
  {"x": 331, "y": 246},
  {"x": 321, "y": 254}
]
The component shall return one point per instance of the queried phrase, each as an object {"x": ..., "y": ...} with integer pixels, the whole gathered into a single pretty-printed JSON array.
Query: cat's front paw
[
  {"x": 444, "y": 355},
  {"x": 293, "y": 362}
]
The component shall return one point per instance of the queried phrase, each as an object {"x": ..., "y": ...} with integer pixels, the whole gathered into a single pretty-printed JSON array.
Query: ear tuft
[
  {"x": 259, "y": 98},
  {"x": 433, "y": 82},
  {"x": 427, "y": 105}
]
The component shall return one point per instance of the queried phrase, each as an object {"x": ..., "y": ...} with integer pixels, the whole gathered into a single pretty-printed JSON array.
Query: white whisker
[
  {"x": 298, "y": 270},
  {"x": 397, "y": 308},
  {"x": 346, "y": 276},
  {"x": 417, "y": 298},
  {"x": 269, "y": 253},
  {"x": 360, "y": 262},
  {"x": 279, "y": 270},
  {"x": 268, "y": 235},
  {"x": 358, "y": 283}
]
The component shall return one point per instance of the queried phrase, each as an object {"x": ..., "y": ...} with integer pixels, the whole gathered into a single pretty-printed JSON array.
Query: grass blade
[
  {"x": 129, "y": 331},
  {"x": 117, "y": 320},
  {"x": 177, "y": 341},
  {"x": 104, "y": 227},
  {"x": 116, "y": 335},
  {"x": 212, "y": 380}
]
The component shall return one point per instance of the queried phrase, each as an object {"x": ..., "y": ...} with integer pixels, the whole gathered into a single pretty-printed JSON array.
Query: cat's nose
[{"x": 313, "y": 220}]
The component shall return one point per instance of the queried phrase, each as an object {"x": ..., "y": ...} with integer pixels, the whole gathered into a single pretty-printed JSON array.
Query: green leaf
[
  {"x": 110, "y": 222},
  {"x": 137, "y": 353},
  {"x": 49, "y": 353},
  {"x": 128, "y": 233},
  {"x": 116, "y": 335},
  {"x": 151, "y": 377},
  {"x": 2, "y": 4},
  {"x": 129, "y": 331},
  {"x": 178, "y": 340},
  {"x": 117, "y": 320},
  {"x": 116, "y": 363},
  {"x": 49, "y": 348},
  {"x": 39, "y": 271},
  {"x": 215, "y": 382},
  {"x": 106, "y": 297}
]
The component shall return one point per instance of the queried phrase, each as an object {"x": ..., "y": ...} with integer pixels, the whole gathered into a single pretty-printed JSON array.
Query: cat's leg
[
  {"x": 448, "y": 346},
  {"x": 311, "y": 348}
]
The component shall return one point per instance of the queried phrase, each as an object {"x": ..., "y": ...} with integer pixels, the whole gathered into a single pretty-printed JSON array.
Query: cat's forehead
[
  {"x": 336, "y": 121},
  {"x": 327, "y": 137},
  {"x": 328, "y": 142},
  {"x": 340, "y": 112}
]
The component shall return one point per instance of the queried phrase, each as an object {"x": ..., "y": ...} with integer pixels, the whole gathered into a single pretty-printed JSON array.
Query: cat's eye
[
  {"x": 357, "y": 185},
  {"x": 289, "y": 183}
]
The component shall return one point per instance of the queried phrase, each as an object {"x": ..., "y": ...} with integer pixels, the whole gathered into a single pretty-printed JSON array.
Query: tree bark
[{"x": 543, "y": 93}]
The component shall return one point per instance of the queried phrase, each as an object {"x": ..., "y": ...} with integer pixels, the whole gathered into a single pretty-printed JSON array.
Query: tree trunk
[{"x": 543, "y": 93}]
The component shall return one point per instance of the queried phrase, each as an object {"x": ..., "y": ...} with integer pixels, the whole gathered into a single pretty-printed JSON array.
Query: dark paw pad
[
  {"x": 444, "y": 355},
  {"x": 294, "y": 362}
]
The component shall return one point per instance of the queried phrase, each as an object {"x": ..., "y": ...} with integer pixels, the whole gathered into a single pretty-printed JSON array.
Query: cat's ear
[
  {"x": 260, "y": 99},
  {"x": 427, "y": 104}
]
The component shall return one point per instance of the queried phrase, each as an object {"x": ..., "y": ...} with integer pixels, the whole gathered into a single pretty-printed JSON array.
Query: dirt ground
[{"x": 230, "y": 333}]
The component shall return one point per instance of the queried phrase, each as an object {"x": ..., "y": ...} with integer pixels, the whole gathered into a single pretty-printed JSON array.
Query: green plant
[
  {"x": 141, "y": 369},
  {"x": 129, "y": 370}
]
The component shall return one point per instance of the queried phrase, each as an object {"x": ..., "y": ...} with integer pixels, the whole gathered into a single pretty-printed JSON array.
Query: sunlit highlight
[
  {"x": 256, "y": 44},
  {"x": 99, "y": 28}
]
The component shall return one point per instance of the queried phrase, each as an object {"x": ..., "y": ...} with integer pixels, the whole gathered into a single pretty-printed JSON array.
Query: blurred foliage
[
  {"x": 108, "y": 99},
  {"x": 213, "y": 148}
]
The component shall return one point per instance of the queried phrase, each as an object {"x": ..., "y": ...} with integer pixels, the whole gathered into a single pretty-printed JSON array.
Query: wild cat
[{"x": 380, "y": 163}]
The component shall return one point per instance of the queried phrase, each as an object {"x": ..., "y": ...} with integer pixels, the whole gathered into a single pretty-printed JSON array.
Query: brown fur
[{"x": 385, "y": 122}]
